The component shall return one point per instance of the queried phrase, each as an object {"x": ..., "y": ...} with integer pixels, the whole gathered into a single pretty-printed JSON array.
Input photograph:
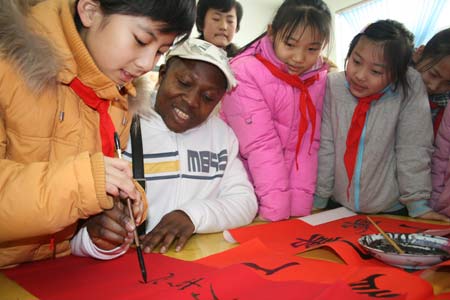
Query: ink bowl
[{"x": 421, "y": 250}]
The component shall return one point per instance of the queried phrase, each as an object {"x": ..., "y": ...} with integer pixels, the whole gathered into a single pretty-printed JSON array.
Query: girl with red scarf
[{"x": 376, "y": 131}]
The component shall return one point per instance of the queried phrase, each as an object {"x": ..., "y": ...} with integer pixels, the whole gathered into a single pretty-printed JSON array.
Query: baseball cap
[{"x": 197, "y": 49}]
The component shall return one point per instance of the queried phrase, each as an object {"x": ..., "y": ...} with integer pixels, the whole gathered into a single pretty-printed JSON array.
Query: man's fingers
[
  {"x": 168, "y": 240},
  {"x": 182, "y": 240},
  {"x": 151, "y": 241}
]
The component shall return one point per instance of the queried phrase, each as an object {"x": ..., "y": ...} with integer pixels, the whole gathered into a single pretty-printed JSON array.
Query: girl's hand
[
  {"x": 175, "y": 225},
  {"x": 432, "y": 215},
  {"x": 111, "y": 228},
  {"x": 120, "y": 183}
]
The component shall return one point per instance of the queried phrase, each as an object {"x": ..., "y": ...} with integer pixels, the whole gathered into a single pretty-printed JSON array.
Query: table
[{"x": 202, "y": 245}]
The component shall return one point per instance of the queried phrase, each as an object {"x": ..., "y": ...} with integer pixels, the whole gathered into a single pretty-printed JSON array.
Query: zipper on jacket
[{"x": 61, "y": 103}]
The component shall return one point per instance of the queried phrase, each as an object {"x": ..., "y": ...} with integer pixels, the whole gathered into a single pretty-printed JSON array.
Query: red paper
[
  {"x": 379, "y": 282},
  {"x": 84, "y": 278},
  {"x": 239, "y": 282},
  {"x": 340, "y": 235}
]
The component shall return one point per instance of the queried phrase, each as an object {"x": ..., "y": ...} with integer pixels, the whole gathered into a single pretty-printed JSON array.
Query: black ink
[
  {"x": 213, "y": 294},
  {"x": 368, "y": 286},
  {"x": 269, "y": 272},
  {"x": 188, "y": 283},
  {"x": 360, "y": 225},
  {"x": 155, "y": 281},
  {"x": 314, "y": 240},
  {"x": 362, "y": 255}
]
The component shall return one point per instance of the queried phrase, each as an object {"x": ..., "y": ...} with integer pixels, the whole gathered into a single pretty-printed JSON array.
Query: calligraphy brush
[
  {"x": 136, "y": 237},
  {"x": 388, "y": 238}
]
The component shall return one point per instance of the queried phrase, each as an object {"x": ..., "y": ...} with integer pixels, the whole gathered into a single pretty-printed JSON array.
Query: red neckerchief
[
  {"x": 101, "y": 106},
  {"x": 438, "y": 118},
  {"x": 306, "y": 103},
  {"x": 354, "y": 134}
]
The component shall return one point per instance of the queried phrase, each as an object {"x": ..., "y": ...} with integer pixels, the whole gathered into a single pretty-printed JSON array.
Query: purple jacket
[
  {"x": 440, "y": 167},
  {"x": 264, "y": 113}
]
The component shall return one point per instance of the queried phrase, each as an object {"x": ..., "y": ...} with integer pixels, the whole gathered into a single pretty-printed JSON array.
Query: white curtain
[{"x": 422, "y": 17}]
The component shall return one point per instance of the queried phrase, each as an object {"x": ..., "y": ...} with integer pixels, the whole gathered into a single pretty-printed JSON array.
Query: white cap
[{"x": 197, "y": 49}]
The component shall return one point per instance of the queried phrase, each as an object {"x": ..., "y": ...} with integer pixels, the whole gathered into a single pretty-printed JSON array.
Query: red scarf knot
[
  {"x": 101, "y": 106},
  {"x": 354, "y": 134},
  {"x": 438, "y": 118},
  {"x": 305, "y": 101}
]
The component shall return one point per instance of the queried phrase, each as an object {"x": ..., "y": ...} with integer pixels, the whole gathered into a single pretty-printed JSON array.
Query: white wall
[
  {"x": 257, "y": 15},
  {"x": 334, "y": 6}
]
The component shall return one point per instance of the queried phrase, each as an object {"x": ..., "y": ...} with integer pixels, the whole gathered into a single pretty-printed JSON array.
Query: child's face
[
  {"x": 299, "y": 51},
  {"x": 124, "y": 47},
  {"x": 436, "y": 78},
  {"x": 188, "y": 92},
  {"x": 366, "y": 70},
  {"x": 220, "y": 27}
]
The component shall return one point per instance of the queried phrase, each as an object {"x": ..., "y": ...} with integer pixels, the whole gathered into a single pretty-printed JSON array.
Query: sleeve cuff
[
  {"x": 98, "y": 171},
  {"x": 320, "y": 202},
  {"x": 417, "y": 208},
  {"x": 82, "y": 245}
]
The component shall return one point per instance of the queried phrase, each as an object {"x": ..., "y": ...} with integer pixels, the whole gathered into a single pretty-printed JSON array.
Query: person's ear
[
  {"x": 269, "y": 33},
  {"x": 418, "y": 54},
  {"x": 87, "y": 10},
  {"x": 162, "y": 73}
]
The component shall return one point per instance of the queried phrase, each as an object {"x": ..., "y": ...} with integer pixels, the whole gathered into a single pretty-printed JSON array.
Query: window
[{"x": 423, "y": 18}]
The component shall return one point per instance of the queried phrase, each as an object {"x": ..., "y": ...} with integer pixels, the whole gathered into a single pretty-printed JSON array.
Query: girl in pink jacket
[
  {"x": 276, "y": 109},
  {"x": 434, "y": 65},
  {"x": 440, "y": 167}
]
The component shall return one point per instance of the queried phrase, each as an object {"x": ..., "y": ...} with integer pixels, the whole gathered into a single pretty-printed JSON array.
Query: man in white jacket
[{"x": 195, "y": 181}]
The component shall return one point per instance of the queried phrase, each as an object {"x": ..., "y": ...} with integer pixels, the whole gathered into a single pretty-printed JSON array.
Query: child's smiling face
[
  {"x": 298, "y": 51},
  {"x": 366, "y": 70},
  {"x": 188, "y": 92}
]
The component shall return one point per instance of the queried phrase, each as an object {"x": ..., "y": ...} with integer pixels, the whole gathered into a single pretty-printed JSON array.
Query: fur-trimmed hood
[{"x": 35, "y": 57}]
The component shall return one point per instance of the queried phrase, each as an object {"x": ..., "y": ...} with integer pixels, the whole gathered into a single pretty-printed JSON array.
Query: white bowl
[{"x": 421, "y": 250}]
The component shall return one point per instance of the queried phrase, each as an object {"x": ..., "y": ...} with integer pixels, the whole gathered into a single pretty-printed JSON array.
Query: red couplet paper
[
  {"x": 74, "y": 277},
  {"x": 84, "y": 278},
  {"x": 340, "y": 235},
  {"x": 239, "y": 282},
  {"x": 378, "y": 282}
]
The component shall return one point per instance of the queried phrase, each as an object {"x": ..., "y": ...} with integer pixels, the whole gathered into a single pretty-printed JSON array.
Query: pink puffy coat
[
  {"x": 440, "y": 167},
  {"x": 264, "y": 113}
]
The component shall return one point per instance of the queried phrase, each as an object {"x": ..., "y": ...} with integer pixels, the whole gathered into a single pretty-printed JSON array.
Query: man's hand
[
  {"x": 176, "y": 225},
  {"x": 111, "y": 228}
]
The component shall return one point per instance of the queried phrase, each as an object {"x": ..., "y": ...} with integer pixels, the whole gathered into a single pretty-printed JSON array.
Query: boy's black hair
[
  {"x": 223, "y": 6},
  {"x": 178, "y": 15},
  {"x": 314, "y": 14},
  {"x": 397, "y": 43},
  {"x": 436, "y": 49}
]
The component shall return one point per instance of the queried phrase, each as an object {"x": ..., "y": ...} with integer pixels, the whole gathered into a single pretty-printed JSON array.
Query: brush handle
[{"x": 391, "y": 241}]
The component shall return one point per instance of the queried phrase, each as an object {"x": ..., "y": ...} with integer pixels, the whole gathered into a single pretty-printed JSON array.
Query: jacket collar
[{"x": 264, "y": 46}]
